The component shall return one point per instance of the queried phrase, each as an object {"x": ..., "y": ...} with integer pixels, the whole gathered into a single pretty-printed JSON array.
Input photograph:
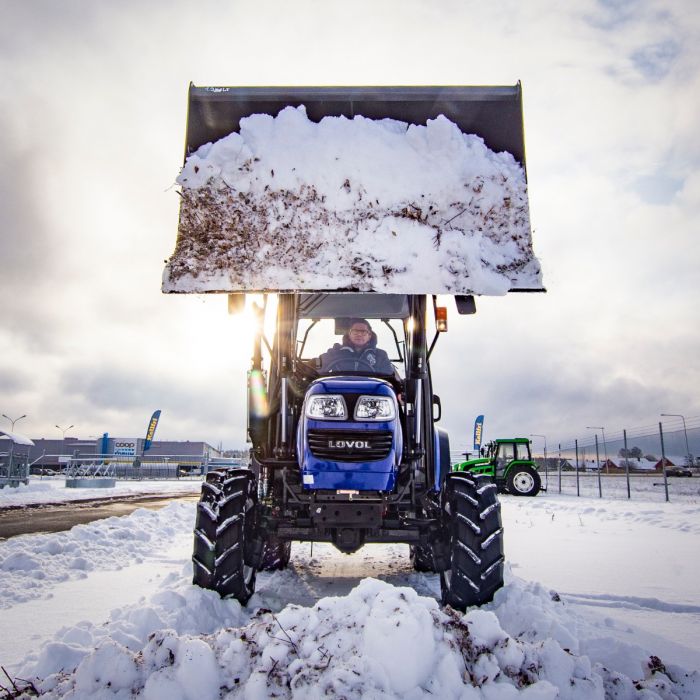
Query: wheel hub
[{"x": 523, "y": 482}]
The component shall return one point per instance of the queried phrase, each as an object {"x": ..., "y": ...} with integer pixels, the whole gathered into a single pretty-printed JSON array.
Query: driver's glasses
[{"x": 359, "y": 331}]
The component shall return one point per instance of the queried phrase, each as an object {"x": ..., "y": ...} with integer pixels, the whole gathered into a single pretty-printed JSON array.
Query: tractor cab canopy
[{"x": 509, "y": 449}]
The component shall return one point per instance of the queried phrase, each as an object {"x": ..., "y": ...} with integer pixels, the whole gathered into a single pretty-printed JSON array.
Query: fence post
[
  {"x": 597, "y": 459},
  {"x": 559, "y": 467},
  {"x": 663, "y": 460},
  {"x": 578, "y": 488},
  {"x": 627, "y": 464}
]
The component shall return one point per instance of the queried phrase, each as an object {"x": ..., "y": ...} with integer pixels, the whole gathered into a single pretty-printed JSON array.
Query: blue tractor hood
[{"x": 347, "y": 453}]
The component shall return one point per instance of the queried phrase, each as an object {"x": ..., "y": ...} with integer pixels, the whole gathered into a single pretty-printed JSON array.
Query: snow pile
[
  {"x": 379, "y": 641},
  {"x": 31, "y": 565},
  {"x": 352, "y": 204}
]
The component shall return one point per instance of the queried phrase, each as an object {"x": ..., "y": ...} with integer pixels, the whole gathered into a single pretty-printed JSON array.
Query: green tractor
[{"x": 509, "y": 462}]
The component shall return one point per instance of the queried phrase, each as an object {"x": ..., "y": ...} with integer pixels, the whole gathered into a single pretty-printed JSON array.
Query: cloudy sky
[{"x": 92, "y": 124}]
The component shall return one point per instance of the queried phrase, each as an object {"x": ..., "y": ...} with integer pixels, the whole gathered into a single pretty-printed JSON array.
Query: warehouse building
[{"x": 55, "y": 454}]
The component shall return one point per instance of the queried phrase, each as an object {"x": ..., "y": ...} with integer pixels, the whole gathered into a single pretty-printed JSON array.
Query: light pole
[
  {"x": 13, "y": 421},
  {"x": 605, "y": 446},
  {"x": 64, "y": 430},
  {"x": 546, "y": 471},
  {"x": 688, "y": 456},
  {"x": 12, "y": 442}
]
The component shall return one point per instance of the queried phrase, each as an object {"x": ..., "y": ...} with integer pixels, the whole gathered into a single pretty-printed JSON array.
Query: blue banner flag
[
  {"x": 478, "y": 429},
  {"x": 151, "y": 430}
]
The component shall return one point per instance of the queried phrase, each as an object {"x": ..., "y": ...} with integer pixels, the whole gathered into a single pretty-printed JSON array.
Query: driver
[{"x": 358, "y": 351}]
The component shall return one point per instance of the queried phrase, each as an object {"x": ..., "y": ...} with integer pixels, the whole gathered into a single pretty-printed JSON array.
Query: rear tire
[
  {"x": 276, "y": 555},
  {"x": 223, "y": 534},
  {"x": 523, "y": 481},
  {"x": 421, "y": 558},
  {"x": 472, "y": 518}
]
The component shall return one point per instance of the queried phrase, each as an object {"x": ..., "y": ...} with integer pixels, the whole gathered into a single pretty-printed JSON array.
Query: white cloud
[{"x": 94, "y": 105}]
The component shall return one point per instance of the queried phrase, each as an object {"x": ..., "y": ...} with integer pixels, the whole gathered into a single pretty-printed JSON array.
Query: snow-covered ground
[
  {"x": 595, "y": 589},
  {"x": 53, "y": 490}
]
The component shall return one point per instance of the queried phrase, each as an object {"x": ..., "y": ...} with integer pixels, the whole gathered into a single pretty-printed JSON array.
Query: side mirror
[
  {"x": 341, "y": 325},
  {"x": 465, "y": 304},
  {"x": 437, "y": 404}
]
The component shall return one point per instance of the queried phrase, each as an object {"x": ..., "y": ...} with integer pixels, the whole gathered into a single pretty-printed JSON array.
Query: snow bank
[
  {"x": 375, "y": 639},
  {"x": 380, "y": 641},
  {"x": 357, "y": 204},
  {"x": 30, "y": 565}
]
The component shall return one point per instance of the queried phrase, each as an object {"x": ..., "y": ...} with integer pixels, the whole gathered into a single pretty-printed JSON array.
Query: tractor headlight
[
  {"x": 375, "y": 408},
  {"x": 326, "y": 407}
]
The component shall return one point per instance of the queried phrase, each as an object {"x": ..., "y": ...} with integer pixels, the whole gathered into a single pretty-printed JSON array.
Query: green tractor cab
[{"x": 509, "y": 462}]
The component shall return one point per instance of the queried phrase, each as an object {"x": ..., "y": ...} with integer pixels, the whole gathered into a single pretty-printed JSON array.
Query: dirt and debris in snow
[{"x": 352, "y": 204}]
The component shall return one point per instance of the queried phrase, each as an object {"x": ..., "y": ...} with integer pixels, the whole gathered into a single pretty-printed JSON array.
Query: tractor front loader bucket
[
  {"x": 278, "y": 197},
  {"x": 493, "y": 113}
]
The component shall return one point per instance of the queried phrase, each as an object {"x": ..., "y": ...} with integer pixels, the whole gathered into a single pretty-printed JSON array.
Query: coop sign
[{"x": 125, "y": 446}]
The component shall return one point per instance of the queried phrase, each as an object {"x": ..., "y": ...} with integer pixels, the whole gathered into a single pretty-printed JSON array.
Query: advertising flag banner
[
  {"x": 153, "y": 424},
  {"x": 478, "y": 429}
]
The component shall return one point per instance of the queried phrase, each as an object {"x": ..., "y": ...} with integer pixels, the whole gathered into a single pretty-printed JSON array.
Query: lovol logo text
[{"x": 349, "y": 444}]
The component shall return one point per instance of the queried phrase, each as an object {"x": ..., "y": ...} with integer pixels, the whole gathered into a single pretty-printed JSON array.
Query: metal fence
[
  {"x": 654, "y": 486},
  {"x": 650, "y": 459},
  {"x": 14, "y": 469},
  {"x": 633, "y": 463},
  {"x": 128, "y": 467}
]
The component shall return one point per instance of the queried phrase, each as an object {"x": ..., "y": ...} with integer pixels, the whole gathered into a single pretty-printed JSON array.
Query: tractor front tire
[
  {"x": 523, "y": 481},
  {"x": 223, "y": 534},
  {"x": 472, "y": 521}
]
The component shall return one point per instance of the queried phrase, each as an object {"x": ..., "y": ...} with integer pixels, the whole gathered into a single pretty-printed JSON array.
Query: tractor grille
[{"x": 350, "y": 445}]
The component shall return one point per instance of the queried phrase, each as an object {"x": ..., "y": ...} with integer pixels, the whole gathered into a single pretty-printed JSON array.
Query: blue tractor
[
  {"x": 348, "y": 456},
  {"x": 343, "y": 453}
]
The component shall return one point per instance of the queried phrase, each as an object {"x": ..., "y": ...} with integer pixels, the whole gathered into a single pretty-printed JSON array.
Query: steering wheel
[
  {"x": 362, "y": 364},
  {"x": 306, "y": 371}
]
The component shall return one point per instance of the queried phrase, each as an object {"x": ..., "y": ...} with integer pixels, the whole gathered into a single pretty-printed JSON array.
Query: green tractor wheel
[{"x": 523, "y": 480}]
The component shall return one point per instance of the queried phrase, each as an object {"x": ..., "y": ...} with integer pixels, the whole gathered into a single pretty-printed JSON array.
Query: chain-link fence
[
  {"x": 655, "y": 462},
  {"x": 126, "y": 467},
  {"x": 652, "y": 459}
]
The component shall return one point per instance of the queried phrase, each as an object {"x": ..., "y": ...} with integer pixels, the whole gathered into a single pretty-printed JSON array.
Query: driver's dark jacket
[{"x": 346, "y": 357}]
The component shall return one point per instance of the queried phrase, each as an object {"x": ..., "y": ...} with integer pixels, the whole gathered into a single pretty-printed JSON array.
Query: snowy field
[{"x": 601, "y": 600}]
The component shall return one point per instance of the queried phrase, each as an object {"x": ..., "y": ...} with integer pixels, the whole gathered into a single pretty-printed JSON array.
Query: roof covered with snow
[{"x": 17, "y": 438}]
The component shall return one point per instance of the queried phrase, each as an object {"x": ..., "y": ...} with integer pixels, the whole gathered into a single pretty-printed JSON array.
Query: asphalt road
[{"x": 33, "y": 519}]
